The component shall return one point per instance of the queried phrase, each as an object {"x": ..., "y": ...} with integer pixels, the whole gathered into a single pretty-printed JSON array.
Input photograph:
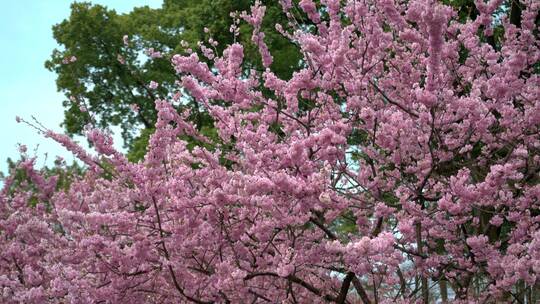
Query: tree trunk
[
  {"x": 424, "y": 281},
  {"x": 444, "y": 290}
]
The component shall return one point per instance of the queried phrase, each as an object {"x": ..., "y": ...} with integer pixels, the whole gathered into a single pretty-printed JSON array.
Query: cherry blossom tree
[{"x": 399, "y": 165}]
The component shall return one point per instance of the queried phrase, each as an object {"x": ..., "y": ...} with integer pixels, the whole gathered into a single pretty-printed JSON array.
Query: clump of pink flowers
[{"x": 399, "y": 165}]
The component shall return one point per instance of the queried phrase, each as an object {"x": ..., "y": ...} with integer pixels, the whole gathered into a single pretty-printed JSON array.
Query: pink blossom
[
  {"x": 402, "y": 151},
  {"x": 22, "y": 148},
  {"x": 153, "y": 85},
  {"x": 120, "y": 59}
]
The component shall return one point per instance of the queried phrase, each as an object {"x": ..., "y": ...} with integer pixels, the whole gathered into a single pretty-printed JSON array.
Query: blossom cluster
[{"x": 400, "y": 164}]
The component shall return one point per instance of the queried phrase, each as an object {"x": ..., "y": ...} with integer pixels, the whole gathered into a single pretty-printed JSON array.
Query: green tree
[{"x": 108, "y": 77}]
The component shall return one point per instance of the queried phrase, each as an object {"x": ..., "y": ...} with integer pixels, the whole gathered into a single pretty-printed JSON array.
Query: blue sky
[{"x": 26, "y": 87}]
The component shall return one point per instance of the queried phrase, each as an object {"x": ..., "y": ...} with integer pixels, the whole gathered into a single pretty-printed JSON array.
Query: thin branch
[
  {"x": 393, "y": 102},
  {"x": 360, "y": 290},
  {"x": 345, "y": 288}
]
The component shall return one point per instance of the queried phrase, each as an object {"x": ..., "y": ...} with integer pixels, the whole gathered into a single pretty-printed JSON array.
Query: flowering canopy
[{"x": 399, "y": 165}]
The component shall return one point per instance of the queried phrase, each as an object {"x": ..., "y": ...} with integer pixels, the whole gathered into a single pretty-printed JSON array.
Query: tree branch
[{"x": 393, "y": 102}]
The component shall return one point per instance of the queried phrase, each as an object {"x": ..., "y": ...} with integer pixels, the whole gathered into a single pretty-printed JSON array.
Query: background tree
[{"x": 107, "y": 78}]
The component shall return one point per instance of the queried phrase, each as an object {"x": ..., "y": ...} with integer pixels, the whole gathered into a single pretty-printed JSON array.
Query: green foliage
[
  {"x": 345, "y": 224},
  {"x": 357, "y": 137},
  {"x": 138, "y": 146}
]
